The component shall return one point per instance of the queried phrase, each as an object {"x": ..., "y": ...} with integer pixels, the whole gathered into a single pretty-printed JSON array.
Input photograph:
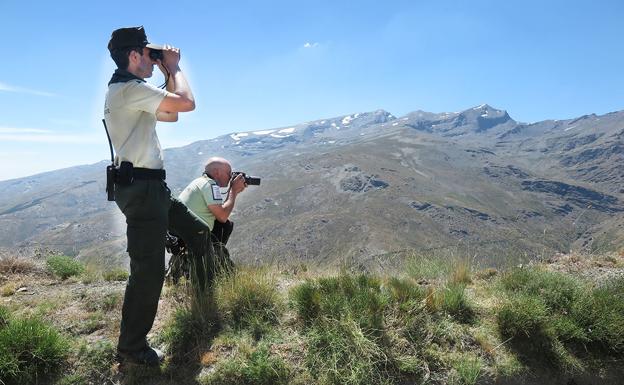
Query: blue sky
[{"x": 258, "y": 65}]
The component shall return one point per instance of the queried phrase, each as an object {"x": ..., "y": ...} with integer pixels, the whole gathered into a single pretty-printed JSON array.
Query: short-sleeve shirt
[
  {"x": 130, "y": 114},
  {"x": 200, "y": 193}
]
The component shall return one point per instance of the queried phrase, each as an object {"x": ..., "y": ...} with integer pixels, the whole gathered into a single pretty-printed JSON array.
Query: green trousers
[{"x": 150, "y": 210}]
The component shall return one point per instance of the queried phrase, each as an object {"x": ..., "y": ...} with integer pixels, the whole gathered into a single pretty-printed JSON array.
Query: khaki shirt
[
  {"x": 130, "y": 113},
  {"x": 200, "y": 193}
]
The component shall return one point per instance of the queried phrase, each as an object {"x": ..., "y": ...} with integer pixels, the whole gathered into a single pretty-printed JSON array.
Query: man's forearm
[
  {"x": 179, "y": 85},
  {"x": 228, "y": 205}
]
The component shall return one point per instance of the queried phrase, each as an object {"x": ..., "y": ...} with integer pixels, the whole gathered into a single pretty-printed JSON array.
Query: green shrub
[
  {"x": 30, "y": 350},
  {"x": 255, "y": 367},
  {"x": 64, "y": 267},
  {"x": 249, "y": 300},
  {"x": 116, "y": 274}
]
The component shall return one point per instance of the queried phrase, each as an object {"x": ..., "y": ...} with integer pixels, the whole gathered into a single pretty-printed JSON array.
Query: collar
[{"x": 123, "y": 76}]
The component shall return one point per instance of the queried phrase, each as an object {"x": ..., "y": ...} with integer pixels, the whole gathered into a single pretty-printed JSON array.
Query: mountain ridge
[{"x": 369, "y": 184}]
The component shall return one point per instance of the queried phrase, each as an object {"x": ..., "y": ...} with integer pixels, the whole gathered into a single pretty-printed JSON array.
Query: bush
[
  {"x": 64, "y": 267},
  {"x": 30, "y": 350},
  {"x": 117, "y": 274},
  {"x": 249, "y": 300}
]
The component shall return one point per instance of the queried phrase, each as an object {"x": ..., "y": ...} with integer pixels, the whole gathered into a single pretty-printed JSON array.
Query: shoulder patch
[{"x": 216, "y": 193}]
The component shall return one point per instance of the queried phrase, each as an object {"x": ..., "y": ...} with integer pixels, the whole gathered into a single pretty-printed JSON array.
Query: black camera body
[
  {"x": 156, "y": 54},
  {"x": 249, "y": 180}
]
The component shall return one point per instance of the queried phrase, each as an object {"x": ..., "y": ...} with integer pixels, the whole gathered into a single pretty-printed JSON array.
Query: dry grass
[
  {"x": 11, "y": 264},
  {"x": 461, "y": 272}
]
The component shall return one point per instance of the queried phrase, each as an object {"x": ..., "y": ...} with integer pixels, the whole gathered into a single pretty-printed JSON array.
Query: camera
[
  {"x": 156, "y": 54},
  {"x": 249, "y": 180}
]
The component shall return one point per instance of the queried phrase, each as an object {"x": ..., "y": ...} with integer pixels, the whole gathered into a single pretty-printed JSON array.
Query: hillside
[
  {"x": 370, "y": 188},
  {"x": 433, "y": 322}
]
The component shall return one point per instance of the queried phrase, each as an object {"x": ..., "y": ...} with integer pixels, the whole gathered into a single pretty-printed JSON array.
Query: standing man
[{"x": 131, "y": 110}]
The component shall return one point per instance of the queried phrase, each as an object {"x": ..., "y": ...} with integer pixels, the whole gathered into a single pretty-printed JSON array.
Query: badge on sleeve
[{"x": 216, "y": 193}]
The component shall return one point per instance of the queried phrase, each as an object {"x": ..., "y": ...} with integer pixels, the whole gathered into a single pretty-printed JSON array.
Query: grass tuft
[
  {"x": 600, "y": 314},
  {"x": 468, "y": 368},
  {"x": 255, "y": 366},
  {"x": 358, "y": 297},
  {"x": 455, "y": 303},
  {"x": 249, "y": 300},
  {"x": 116, "y": 274},
  {"x": 557, "y": 290},
  {"x": 30, "y": 351},
  {"x": 342, "y": 352}
]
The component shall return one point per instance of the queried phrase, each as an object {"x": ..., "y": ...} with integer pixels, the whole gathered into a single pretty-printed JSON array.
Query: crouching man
[{"x": 204, "y": 199}]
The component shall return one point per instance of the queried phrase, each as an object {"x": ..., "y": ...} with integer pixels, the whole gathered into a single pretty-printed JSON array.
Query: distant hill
[{"x": 366, "y": 188}]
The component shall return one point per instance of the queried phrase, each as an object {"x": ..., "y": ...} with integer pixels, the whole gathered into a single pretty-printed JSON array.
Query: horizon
[
  {"x": 293, "y": 124},
  {"x": 263, "y": 66}
]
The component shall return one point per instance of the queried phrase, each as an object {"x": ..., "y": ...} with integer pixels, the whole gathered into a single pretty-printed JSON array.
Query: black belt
[{"x": 148, "y": 173}]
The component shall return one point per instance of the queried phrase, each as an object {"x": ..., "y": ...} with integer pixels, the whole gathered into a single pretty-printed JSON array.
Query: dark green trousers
[{"x": 150, "y": 210}]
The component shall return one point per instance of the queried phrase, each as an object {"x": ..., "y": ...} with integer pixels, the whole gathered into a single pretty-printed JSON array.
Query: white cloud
[
  {"x": 15, "y": 130},
  {"x": 21, "y": 90},
  {"x": 36, "y": 135},
  {"x": 51, "y": 138},
  {"x": 310, "y": 45}
]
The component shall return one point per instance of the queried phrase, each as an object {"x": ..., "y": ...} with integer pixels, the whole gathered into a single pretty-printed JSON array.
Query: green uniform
[
  {"x": 130, "y": 113},
  {"x": 199, "y": 194}
]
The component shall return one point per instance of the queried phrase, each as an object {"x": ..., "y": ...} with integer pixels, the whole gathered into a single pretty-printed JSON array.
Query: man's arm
[
  {"x": 163, "y": 116},
  {"x": 181, "y": 97},
  {"x": 222, "y": 212}
]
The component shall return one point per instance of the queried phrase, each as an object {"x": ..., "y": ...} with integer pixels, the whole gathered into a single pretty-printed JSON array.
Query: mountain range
[{"x": 369, "y": 188}]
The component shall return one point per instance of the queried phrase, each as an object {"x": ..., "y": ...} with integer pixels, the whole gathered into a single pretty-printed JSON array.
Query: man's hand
[
  {"x": 222, "y": 212},
  {"x": 181, "y": 98},
  {"x": 171, "y": 59},
  {"x": 238, "y": 184}
]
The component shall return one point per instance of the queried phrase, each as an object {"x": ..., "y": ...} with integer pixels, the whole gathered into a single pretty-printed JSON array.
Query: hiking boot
[{"x": 147, "y": 356}]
